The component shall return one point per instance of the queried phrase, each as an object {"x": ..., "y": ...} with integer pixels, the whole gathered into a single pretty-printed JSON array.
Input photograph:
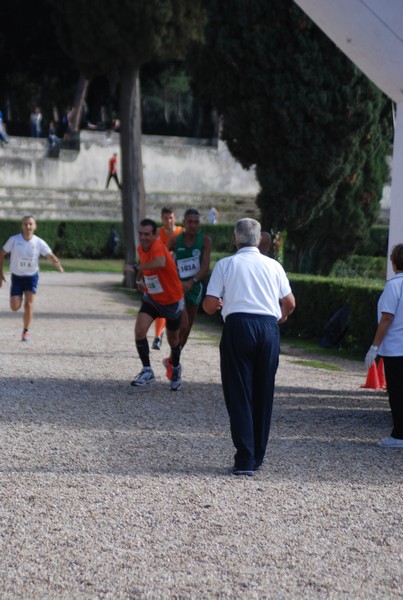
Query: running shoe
[
  {"x": 176, "y": 378},
  {"x": 168, "y": 365},
  {"x": 240, "y": 472},
  {"x": 25, "y": 337},
  {"x": 390, "y": 442},
  {"x": 157, "y": 343},
  {"x": 145, "y": 377}
]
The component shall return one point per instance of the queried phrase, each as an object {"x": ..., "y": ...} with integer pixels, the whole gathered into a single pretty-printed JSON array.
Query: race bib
[
  {"x": 25, "y": 263},
  {"x": 153, "y": 284},
  {"x": 188, "y": 267}
]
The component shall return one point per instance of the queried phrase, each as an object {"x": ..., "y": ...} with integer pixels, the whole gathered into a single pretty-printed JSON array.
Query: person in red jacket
[{"x": 113, "y": 172}]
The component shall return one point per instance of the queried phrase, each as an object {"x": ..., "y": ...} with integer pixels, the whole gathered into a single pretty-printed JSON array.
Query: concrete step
[{"x": 105, "y": 205}]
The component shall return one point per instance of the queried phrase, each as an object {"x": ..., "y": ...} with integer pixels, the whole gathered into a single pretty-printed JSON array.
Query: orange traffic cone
[
  {"x": 381, "y": 374},
  {"x": 372, "y": 381}
]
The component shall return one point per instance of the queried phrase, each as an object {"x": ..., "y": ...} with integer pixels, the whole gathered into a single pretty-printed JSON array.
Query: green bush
[
  {"x": 70, "y": 239},
  {"x": 46, "y": 230},
  {"x": 318, "y": 298},
  {"x": 368, "y": 267},
  {"x": 221, "y": 236}
]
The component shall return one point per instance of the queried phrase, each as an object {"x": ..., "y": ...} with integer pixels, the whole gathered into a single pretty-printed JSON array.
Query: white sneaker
[
  {"x": 145, "y": 377},
  {"x": 390, "y": 442}
]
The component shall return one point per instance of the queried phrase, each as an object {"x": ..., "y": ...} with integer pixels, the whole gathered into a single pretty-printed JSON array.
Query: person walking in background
[
  {"x": 53, "y": 139},
  {"x": 36, "y": 122},
  {"x": 388, "y": 343},
  {"x": 25, "y": 249},
  {"x": 112, "y": 171},
  {"x": 212, "y": 215},
  {"x": 255, "y": 296},
  {"x": 265, "y": 244},
  {"x": 168, "y": 230},
  {"x": 158, "y": 279},
  {"x": 3, "y": 131}
]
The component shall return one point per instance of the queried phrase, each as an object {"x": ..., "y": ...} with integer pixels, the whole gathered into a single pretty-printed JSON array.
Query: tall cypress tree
[{"x": 295, "y": 107}]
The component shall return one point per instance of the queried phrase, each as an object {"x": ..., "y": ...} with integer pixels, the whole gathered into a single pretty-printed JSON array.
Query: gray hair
[{"x": 247, "y": 232}]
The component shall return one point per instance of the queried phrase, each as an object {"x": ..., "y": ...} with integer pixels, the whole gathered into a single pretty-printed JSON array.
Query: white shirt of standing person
[
  {"x": 24, "y": 254},
  {"x": 249, "y": 282}
]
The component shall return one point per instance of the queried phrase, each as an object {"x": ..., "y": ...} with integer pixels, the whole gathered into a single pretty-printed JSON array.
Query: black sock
[
  {"x": 175, "y": 355},
  {"x": 144, "y": 352}
]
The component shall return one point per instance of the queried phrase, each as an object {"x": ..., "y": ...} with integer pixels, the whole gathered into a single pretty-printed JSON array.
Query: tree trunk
[
  {"x": 133, "y": 194},
  {"x": 79, "y": 99}
]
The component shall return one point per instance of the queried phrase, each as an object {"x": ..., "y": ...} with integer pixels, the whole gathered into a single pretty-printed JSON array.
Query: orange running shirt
[
  {"x": 163, "y": 285},
  {"x": 165, "y": 238}
]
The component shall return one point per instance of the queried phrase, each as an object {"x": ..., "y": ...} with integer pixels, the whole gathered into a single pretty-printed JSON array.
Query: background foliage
[{"x": 315, "y": 127}]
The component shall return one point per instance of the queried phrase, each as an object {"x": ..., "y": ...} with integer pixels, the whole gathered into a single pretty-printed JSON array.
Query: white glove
[{"x": 371, "y": 356}]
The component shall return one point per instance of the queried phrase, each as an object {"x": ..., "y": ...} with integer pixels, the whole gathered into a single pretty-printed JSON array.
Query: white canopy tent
[{"x": 370, "y": 33}]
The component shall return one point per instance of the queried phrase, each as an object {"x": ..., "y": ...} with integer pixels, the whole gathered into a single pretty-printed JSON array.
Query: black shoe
[
  {"x": 237, "y": 471},
  {"x": 157, "y": 343}
]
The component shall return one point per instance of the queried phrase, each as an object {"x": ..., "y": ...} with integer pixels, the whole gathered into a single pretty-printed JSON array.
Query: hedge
[
  {"x": 318, "y": 298},
  {"x": 86, "y": 239}
]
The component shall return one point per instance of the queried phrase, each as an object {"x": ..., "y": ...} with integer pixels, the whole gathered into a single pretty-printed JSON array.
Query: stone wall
[{"x": 177, "y": 171}]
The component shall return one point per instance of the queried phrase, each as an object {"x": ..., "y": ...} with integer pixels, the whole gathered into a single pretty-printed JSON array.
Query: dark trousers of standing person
[
  {"x": 115, "y": 177},
  {"x": 249, "y": 351},
  {"x": 394, "y": 382}
]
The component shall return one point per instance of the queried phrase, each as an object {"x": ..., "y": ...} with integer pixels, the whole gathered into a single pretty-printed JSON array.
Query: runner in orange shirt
[
  {"x": 157, "y": 278},
  {"x": 168, "y": 230}
]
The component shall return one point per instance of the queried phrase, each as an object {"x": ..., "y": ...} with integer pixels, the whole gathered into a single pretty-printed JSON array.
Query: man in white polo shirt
[
  {"x": 255, "y": 296},
  {"x": 25, "y": 249}
]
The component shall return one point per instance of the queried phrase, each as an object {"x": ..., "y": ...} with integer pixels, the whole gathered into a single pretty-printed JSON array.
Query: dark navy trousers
[
  {"x": 249, "y": 352},
  {"x": 394, "y": 381}
]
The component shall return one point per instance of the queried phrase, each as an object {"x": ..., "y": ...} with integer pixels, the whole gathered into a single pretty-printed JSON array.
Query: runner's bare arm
[
  {"x": 158, "y": 262},
  {"x": 205, "y": 263},
  {"x": 2, "y": 255},
  {"x": 56, "y": 262},
  {"x": 171, "y": 244}
]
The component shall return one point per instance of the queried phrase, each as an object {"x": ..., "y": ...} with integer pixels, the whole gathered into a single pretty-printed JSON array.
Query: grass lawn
[{"x": 86, "y": 265}]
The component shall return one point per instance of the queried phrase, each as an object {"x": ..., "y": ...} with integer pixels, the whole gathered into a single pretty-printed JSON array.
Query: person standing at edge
[
  {"x": 192, "y": 250},
  {"x": 158, "y": 279},
  {"x": 388, "y": 343},
  {"x": 266, "y": 243},
  {"x": 255, "y": 296},
  {"x": 25, "y": 249},
  {"x": 168, "y": 230},
  {"x": 113, "y": 171}
]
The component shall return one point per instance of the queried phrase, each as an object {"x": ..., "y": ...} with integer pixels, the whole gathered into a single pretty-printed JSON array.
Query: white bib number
[
  {"x": 25, "y": 263},
  {"x": 188, "y": 267},
  {"x": 153, "y": 284}
]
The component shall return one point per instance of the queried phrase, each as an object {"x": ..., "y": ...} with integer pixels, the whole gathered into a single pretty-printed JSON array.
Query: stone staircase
[
  {"x": 105, "y": 205},
  {"x": 71, "y": 186},
  {"x": 45, "y": 204}
]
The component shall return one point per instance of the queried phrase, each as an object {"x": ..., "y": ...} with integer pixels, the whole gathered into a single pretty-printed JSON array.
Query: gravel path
[{"x": 111, "y": 492}]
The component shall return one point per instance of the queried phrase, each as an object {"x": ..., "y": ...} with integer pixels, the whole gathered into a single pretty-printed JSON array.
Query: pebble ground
[{"x": 116, "y": 493}]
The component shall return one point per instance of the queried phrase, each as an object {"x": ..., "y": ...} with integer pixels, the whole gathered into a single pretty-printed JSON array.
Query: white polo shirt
[
  {"x": 391, "y": 301},
  {"x": 249, "y": 282},
  {"x": 24, "y": 254}
]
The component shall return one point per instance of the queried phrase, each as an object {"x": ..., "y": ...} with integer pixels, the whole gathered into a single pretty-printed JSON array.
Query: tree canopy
[
  {"x": 115, "y": 38},
  {"x": 295, "y": 107}
]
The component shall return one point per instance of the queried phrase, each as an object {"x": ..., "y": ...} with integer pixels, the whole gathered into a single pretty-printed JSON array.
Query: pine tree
[{"x": 296, "y": 108}]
